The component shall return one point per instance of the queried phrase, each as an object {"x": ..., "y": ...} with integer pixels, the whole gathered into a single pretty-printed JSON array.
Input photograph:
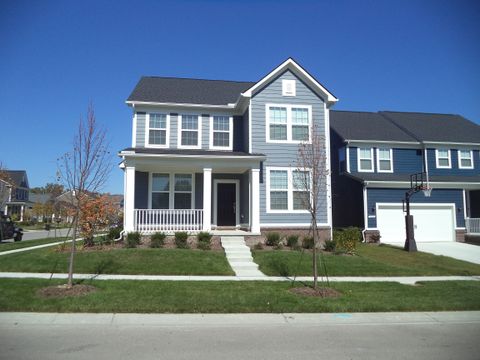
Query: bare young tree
[
  {"x": 84, "y": 169},
  {"x": 309, "y": 183}
]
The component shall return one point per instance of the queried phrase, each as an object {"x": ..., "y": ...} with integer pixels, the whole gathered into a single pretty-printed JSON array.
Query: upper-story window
[
  {"x": 221, "y": 132},
  {"x": 288, "y": 123},
  {"x": 189, "y": 133},
  {"x": 288, "y": 88},
  {"x": 443, "y": 158},
  {"x": 157, "y": 132},
  {"x": 384, "y": 160},
  {"x": 465, "y": 159},
  {"x": 365, "y": 159}
]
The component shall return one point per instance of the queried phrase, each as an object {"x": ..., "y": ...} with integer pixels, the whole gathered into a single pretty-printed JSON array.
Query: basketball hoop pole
[{"x": 416, "y": 185}]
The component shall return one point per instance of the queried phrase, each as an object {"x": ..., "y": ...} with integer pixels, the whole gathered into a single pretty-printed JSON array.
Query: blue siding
[
  {"x": 432, "y": 165},
  {"x": 405, "y": 161},
  {"x": 353, "y": 159},
  {"x": 281, "y": 154},
  {"x": 445, "y": 196}
]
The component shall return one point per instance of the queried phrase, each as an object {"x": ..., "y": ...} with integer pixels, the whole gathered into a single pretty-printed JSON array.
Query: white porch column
[
  {"x": 207, "y": 199},
  {"x": 129, "y": 201},
  {"x": 255, "y": 201},
  {"x": 22, "y": 210}
]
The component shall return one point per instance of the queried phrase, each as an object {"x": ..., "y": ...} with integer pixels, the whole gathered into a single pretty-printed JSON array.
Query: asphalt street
[
  {"x": 41, "y": 234},
  {"x": 243, "y": 336}
]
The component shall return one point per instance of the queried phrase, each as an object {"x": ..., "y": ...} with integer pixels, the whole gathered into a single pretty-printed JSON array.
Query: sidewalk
[
  {"x": 406, "y": 280},
  {"x": 229, "y": 320}
]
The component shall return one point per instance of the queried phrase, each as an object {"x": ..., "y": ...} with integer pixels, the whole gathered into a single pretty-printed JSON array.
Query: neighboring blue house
[
  {"x": 373, "y": 156},
  {"x": 17, "y": 199},
  {"x": 212, "y": 154}
]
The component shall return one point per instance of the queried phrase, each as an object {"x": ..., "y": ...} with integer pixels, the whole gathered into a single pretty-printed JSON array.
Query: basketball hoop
[{"x": 427, "y": 191}]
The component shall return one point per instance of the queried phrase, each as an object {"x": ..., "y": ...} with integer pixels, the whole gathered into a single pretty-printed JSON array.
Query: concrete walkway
[
  {"x": 407, "y": 280},
  {"x": 240, "y": 257}
]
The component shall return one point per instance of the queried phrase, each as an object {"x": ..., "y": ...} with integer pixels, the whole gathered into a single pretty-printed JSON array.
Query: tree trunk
[
  {"x": 72, "y": 252},
  {"x": 315, "y": 241}
]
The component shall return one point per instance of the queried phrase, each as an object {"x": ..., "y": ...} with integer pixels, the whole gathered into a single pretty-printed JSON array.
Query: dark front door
[{"x": 226, "y": 204}]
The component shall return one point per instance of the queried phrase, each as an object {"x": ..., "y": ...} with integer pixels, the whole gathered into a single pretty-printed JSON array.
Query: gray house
[
  {"x": 211, "y": 154},
  {"x": 17, "y": 196}
]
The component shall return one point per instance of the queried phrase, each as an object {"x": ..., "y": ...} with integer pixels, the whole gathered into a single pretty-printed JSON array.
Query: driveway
[{"x": 456, "y": 250}]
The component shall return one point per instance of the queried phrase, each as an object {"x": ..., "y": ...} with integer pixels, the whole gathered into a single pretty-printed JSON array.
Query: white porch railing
[
  {"x": 153, "y": 220},
  {"x": 472, "y": 225}
]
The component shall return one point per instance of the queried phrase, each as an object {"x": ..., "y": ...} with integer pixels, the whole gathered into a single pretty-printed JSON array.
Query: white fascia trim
[
  {"x": 292, "y": 65},
  {"x": 359, "y": 169},
  {"x": 132, "y": 154},
  {"x": 134, "y": 129},
  {"x": 328, "y": 166},
  {"x": 147, "y": 131},
  {"x": 460, "y": 160},
  {"x": 293, "y": 225},
  {"x": 449, "y": 166},
  {"x": 348, "y": 157},
  {"x": 386, "y": 142},
  {"x": 230, "y": 134},
  {"x": 289, "y": 123},
  {"x": 250, "y": 141},
  {"x": 179, "y": 132},
  {"x": 289, "y": 191},
  {"x": 391, "y": 160},
  {"x": 443, "y": 143},
  {"x": 207, "y": 106},
  {"x": 437, "y": 185}
]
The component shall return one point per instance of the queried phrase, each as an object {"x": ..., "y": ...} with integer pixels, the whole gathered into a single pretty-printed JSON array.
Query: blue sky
[{"x": 58, "y": 56}]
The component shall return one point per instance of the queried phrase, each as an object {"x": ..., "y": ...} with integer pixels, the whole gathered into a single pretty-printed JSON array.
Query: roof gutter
[{"x": 209, "y": 106}]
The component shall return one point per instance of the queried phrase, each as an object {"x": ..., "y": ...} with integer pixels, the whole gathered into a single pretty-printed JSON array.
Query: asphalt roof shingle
[{"x": 188, "y": 91}]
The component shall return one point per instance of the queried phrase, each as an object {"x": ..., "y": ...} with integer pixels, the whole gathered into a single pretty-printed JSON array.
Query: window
[
  {"x": 157, "y": 132},
  {"x": 288, "y": 123},
  {"x": 287, "y": 190},
  {"x": 189, "y": 131},
  {"x": 384, "y": 160},
  {"x": 160, "y": 191},
  {"x": 183, "y": 191},
  {"x": 279, "y": 189},
  {"x": 465, "y": 159},
  {"x": 278, "y": 123},
  {"x": 443, "y": 158},
  {"x": 172, "y": 191},
  {"x": 301, "y": 186},
  {"x": 365, "y": 159},
  {"x": 221, "y": 133},
  {"x": 288, "y": 88}
]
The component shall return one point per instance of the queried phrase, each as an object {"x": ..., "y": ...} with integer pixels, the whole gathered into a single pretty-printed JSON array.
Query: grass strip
[
  {"x": 6, "y": 246},
  {"x": 239, "y": 297}
]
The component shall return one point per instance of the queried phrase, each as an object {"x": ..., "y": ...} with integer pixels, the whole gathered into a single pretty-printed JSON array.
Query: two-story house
[
  {"x": 210, "y": 154},
  {"x": 373, "y": 156},
  {"x": 17, "y": 199}
]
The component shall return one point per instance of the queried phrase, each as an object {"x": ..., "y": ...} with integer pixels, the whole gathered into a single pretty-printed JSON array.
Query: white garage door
[{"x": 431, "y": 222}]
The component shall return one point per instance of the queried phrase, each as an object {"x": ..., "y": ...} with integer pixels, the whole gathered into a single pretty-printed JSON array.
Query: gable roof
[
  {"x": 367, "y": 126},
  {"x": 187, "y": 91},
  {"x": 18, "y": 177},
  {"x": 427, "y": 127}
]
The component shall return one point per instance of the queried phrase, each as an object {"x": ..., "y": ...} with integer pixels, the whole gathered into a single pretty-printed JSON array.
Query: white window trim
[
  {"x": 171, "y": 190},
  {"x": 449, "y": 166},
  {"x": 289, "y": 123},
  {"x": 293, "y": 85},
  {"x": 289, "y": 190},
  {"x": 179, "y": 133},
  {"x": 147, "y": 131},
  {"x": 460, "y": 160},
  {"x": 237, "y": 199},
  {"x": 359, "y": 168},
  {"x": 378, "y": 160},
  {"x": 230, "y": 136}
]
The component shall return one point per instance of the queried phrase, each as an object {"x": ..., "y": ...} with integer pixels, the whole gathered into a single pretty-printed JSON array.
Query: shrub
[
  {"x": 203, "y": 245},
  {"x": 308, "y": 242},
  {"x": 292, "y": 241},
  {"x": 133, "y": 239},
  {"x": 181, "y": 238},
  {"x": 330, "y": 245},
  {"x": 258, "y": 246},
  {"x": 279, "y": 246},
  {"x": 114, "y": 233},
  {"x": 157, "y": 240},
  {"x": 204, "y": 240},
  {"x": 273, "y": 239},
  {"x": 346, "y": 239}
]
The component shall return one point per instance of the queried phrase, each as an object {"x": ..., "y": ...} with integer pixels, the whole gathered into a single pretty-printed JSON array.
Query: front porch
[{"x": 170, "y": 194}]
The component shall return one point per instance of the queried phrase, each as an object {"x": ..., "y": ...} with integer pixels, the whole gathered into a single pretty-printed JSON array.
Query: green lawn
[
  {"x": 121, "y": 261},
  {"x": 371, "y": 260},
  {"x": 4, "y": 246},
  {"x": 240, "y": 297}
]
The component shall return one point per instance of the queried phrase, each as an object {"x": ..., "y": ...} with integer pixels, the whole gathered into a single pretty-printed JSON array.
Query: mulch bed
[
  {"x": 319, "y": 292},
  {"x": 61, "y": 291}
]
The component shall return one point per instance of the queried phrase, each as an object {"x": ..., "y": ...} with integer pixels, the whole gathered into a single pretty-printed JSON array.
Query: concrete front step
[{"x": 240, "y": 257}]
